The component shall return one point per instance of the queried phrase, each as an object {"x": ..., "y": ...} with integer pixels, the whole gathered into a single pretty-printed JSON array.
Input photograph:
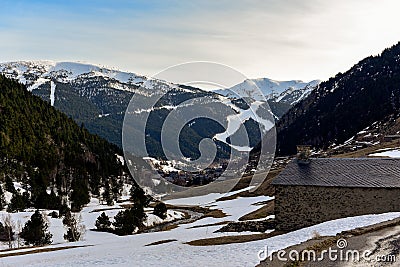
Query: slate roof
[{"x": 342, "y": 172}]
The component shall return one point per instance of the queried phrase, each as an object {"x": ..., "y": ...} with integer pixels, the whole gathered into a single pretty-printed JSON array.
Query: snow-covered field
[
  {"x": 394, "y": 153},
  {"x": 106, "y": 249}
]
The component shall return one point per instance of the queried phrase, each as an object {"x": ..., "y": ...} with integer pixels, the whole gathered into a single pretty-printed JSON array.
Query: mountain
[
  {"x": 98, "y": 97},
  {"x": 44, "y": 150},
  {"x": 93, "y": 95},
  {"x": 367, "y": 95},
  {"x": 281, "y": 95},
  {"x": 289, "y": 92}
]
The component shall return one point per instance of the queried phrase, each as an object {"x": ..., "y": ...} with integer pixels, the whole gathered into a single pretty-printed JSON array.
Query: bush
[
  {"x": 103, "y": 222},
  {"x": 53, "y": 214},
  {"x": 35, "y": 231},
  {"x": 6, "y": 233},
  {"x": 75, "y": 229},
  {"x": 160, "y": 210},
  {"x": 138, "y": 196},
  {"x": 17, "y": 203},
  {"x": 63, "y": 210},
  {"x": 9, "y": 185},
  {"x": 126, "y": 221}
]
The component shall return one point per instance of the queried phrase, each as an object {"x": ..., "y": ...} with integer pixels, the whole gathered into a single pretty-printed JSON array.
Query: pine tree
[
  {"x": 35, "y": 231},
  {"x": 138, "y": 196},
  {"x": 128, "y": 220},
  {"x": 17, "y": 203},
  {"x": 2, "y": 198},
  {"x": 80, "y": 194},
  {"x": 160, "y": 210},
  {"x": 10, "y": 185},
  {"x": 63, "y": 210},
  {"x": 103, "y": 222},
  {"x": 107, "y": 194}
]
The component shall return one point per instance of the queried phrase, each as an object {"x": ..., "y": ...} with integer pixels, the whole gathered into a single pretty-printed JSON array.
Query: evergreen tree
[
  {"x": 64, "y": 209},
  {"x": 9, "y": 185},
  {"x": 160, "y": 210},
  {"x": 47, "y": 201},
  {"x": 106, "y": 195},
  {"x": 35, "y": 231},
  {"x": 138, "y": 196},
  {"x": 80, "y": 194},
  {"x": 17, "y": 203},
  {"x": 128, "y": 220},
  {"x": 51, "y": 152},
  {"x": 103, "y": 222}
]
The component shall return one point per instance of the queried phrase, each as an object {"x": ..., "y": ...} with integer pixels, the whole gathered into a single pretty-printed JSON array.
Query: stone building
[{"x": 330, "y": 188}]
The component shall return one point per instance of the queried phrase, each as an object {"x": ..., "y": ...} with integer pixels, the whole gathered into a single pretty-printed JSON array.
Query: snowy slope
[
  {"x": 287, "y": 91},
  {"x": 106, "y": 249}
]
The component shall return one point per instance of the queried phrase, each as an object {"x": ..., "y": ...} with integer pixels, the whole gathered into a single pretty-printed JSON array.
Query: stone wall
[{"x": 301, "y": 206}]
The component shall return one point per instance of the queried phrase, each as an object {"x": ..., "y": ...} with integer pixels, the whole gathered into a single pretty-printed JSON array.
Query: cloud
[{"x": 279, "y": 39}]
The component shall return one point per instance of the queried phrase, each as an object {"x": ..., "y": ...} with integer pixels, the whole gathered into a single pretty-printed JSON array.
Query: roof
[{"x": 342, "y": 172}]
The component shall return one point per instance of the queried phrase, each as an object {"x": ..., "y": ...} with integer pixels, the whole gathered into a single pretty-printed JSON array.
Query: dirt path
[{"x": 382, "y": 240}]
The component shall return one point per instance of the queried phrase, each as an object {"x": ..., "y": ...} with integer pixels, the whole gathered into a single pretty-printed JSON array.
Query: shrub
[
  {"x": 35, "y": 231},
  {"x": 103, "y": 222},
  {"x": 53, "y": 214},
  {"x": 160, "y": 210},
  {"x": 75, "y": 229},
  {"x": 127, "y": 220}
]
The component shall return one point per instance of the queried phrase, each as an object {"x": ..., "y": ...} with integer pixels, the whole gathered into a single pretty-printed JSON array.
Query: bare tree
[
  {"x": 9, "y": 228},
  {"x": 18, "y": 231},
  {"x": 75, "y": 228}
]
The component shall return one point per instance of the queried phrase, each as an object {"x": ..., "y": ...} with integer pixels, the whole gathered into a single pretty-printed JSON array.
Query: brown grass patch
[
  {"x": 265, "y": 189},
  {"x": 223, "y": 240},
  {"x": 368, "y": 150},
  {"x": 39, "y": 250},
  {"x": 264, "y": 211},
  {"x": 105, "y": 209},
  {"x": 214, "y": 214},
  {"x": 161, "y": 242},
  {"x": 210, "y": 224}
]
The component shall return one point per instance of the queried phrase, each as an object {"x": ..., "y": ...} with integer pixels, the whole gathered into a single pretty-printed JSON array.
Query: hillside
[
  {"x": 45, "y": 150},
  {"x": 98, "y": 97},
  {"x": 366, "y": 95}
]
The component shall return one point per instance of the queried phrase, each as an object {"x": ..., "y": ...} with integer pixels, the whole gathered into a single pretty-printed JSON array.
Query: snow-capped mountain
[
  {"x": 98, "y": 97},
  {"x": 36, "y": 73},
  {"x": 343, "y": 108},
  {"x": 288, "y": 92}
]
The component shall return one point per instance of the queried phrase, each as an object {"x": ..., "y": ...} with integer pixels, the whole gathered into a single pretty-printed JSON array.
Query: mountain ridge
[
  {"x": 45, "y": 149},
  {"x": 344, "y": 105}
]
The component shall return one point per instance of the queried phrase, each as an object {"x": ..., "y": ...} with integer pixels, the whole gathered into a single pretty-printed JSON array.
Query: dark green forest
[{"x": 46, "y": 150}]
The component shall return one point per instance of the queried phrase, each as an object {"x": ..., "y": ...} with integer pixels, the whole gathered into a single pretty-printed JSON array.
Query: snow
[
  {"x": 395, "y": 153},
  {"x": 236, "y": 120},
  {"x": 52, "y": 91},
  {"x": 44, "y": 71},
  {"x": 37, "y": 84},
  {"x": 121, "y": 159},
  {"x": 166, "y": 165},
  {"x": 264, "y": 88},
  {"x": 104, "y": 115}
]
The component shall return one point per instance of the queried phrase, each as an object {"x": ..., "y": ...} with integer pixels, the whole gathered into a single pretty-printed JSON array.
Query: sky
[{"x": 278, "y": 39}]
